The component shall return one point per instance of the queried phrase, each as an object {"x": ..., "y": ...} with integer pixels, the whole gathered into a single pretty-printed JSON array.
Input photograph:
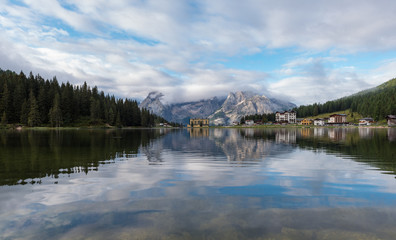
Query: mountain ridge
[{"x": 220, "y": 111}]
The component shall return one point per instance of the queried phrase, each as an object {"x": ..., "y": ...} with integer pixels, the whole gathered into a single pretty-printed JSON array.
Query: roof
[
  {"x": 285, "y": 112},
  {"x": 391, "y": 117},
  {"x": 338, "y": 115},
  {"x": 367, "y": 119}
]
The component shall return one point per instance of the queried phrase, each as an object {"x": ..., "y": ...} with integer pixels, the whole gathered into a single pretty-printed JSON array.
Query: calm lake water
[{"x": 309, "y": 183}]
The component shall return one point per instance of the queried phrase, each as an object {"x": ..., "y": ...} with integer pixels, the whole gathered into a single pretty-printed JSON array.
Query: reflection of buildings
[
  {"x": 199, "y": 132},
  {"x": 198, "y": 122},
  {"x": 286, "y": 136},
  {"x": 305, "y": 132},
  {"x": 366, "y": 132},
  {"x": 319, "y": 132},
  {"x": 392, "y": 134},
  {"x": 337, "y": 134}
]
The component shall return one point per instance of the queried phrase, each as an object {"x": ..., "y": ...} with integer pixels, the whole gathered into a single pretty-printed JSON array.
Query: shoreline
[{"x": 22, "y": 128}]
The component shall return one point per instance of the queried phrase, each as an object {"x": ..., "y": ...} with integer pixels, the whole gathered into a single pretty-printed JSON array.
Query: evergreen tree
[
  {"x": 5, "y": 99},
  {"x": 95, "y": 110},
  {"x": 55, "y": 114},
  {"x": 118, "y": 120},
  {"x": 42, "y": 104},
  {"x": 4, "y": 119},
  {"x": 24, "y": 113},
  {"x": 111, "y": 116},
  {"x": 18, "y": 101},
  {"x": 34, "y": 115},
  {"x": 34, "y": 101}
]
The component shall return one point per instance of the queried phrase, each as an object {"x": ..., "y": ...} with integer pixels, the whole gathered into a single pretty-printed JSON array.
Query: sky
[{"x": 303, "y": 51}]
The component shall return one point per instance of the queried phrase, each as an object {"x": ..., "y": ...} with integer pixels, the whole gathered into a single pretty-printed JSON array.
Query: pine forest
[{"x": 32, "y": 101}]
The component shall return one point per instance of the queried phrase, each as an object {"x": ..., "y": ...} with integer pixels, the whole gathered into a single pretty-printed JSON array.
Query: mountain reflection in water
[{"x": 275, "y": 183}]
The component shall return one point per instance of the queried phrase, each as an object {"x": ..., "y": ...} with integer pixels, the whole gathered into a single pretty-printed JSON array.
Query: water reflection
[
  {"x": 28, "y": 156},
  {"x": 298, "y": 183}
]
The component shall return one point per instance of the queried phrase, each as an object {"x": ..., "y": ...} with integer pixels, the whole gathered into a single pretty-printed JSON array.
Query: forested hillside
[
  {"x": 33, "y": 101},
  {"x": 377, "y": 103}
]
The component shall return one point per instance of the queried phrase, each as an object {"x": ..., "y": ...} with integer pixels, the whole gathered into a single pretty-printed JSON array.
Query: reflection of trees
[
  {"x": 376, "y": 147},
  {"x": 372, "y": 146},
  {"x": 37, "y": 154}
]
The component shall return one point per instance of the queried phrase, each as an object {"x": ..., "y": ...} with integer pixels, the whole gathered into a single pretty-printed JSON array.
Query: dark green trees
[
  {"x": 377, "y": 103},
  {"x": 34, "y": 101},
  {"x": 55, "y": 113},
  {"x": 34, "y": 114}
]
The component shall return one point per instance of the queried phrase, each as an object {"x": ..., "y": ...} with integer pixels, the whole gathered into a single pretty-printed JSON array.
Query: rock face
[
  {"x": 220, "y": 111},
  {"x": 240, "y": 104},
  {"x": 182, "y": 112},
  {"x": 153, "y": 103}
]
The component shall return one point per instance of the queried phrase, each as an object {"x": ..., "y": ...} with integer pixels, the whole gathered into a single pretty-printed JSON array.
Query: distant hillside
[
  {"x": 352, "y": 117},
  {"x": 375, "y": 102},
  {"x": 389, "y": 84}
]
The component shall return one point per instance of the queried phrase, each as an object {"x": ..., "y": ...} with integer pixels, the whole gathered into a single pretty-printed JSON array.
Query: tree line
[
  {"x": 33, "y": 101},
  {"x": 376, "y": 103},
  {"x": 264, "y": 118}
]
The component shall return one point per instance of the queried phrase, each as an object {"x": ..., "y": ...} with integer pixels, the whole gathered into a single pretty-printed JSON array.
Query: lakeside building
[
  {"x": 306, "y": 121},
  {"x": 198, "y": 122},
  {"x": 337, "y": 119},
  {"x": 366, "y": 121},
  {"x": 391, "y": 120},
  {"x": 286, "y": 117},
  {"x": 299, "y": 120},
  {"x": 249, "y": 122},
  {"x": 319, "y": 122}
]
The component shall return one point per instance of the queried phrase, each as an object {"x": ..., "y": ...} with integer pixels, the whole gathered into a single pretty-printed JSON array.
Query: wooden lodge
[
  {"x": 391, "y": 120},
  {"x": 337, "y": 119},
  {"x": 306, "y": 121}
]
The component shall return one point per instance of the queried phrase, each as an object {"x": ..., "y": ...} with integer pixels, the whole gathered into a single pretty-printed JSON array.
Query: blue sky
[{"x": 305, "y": 51}]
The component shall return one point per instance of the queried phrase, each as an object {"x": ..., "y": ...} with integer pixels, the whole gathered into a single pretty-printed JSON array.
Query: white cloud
[
  {"x": 130, "y": 48},
  {"x": 314, "y": 80}
]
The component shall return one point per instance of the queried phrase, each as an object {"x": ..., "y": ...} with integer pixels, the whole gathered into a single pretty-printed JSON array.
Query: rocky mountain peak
[
  {"x": 155, "y": 95},
  {"x": 218, "y": 110},
  {"x": 243, "y": 103},
  {"x": 153, "y": 103}
]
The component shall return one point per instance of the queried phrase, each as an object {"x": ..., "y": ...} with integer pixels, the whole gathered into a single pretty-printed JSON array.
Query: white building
[
  {"x": 366, "y": 121},
  {"x": 337, "y": 119},
  {"x": 249, "y": 122},
  {"x": 286, "y": 117},
  {"x": 319, "y": 122}
]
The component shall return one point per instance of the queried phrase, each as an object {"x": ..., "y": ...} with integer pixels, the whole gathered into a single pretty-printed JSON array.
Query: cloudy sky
[{"x": 308, "y": 51}]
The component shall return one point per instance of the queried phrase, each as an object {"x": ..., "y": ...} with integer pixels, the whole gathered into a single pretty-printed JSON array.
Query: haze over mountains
[{"x": 220, "y": 111}]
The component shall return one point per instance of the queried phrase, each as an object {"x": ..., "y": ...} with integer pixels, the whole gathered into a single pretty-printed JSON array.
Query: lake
[{"x": 278, "y": 183}]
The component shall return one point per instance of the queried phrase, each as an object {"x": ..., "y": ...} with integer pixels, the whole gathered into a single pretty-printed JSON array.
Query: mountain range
[{"x": 219, "y": 110}]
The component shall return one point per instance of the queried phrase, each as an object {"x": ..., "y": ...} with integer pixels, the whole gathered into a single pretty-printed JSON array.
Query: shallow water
[{"x": 299, "y": 183}]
